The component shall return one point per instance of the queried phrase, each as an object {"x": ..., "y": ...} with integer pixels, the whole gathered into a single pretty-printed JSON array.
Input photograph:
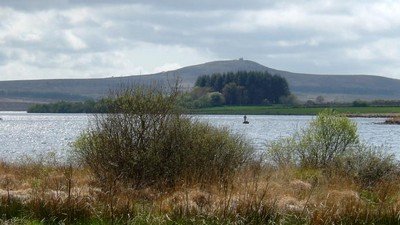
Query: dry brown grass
[
  {"x": 257, "y": 195},
  {"x": 393, "y": 120}
]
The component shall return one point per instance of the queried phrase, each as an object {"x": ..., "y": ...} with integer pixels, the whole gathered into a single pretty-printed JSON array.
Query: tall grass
[{"x": 256, "y": 195}]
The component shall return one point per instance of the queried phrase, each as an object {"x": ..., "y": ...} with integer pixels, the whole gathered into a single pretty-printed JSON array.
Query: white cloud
[
  {"x": 167, "y": 67},
  {"x": 134, "y": 60},
  {"x": 61, "y": 39},
  {"x": 74, "y": 41},
  {"x": 380, "y": 50}
]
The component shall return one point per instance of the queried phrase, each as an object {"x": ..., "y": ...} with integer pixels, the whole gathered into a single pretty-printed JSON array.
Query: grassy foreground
[
  {"x": 38, "y": 194},
  {"x": 283, "y": 110}
]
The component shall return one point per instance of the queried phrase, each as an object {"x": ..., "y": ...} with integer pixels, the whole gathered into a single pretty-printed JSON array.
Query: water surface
[{"x": 38, "y": 135}]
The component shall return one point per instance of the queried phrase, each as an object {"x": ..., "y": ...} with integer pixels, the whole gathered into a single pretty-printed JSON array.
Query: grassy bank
[
  {"x": 283, "y": 110},
  {"x": 38, "y": 194}
]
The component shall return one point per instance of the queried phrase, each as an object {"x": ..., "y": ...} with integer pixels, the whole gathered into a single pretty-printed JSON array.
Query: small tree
[
  {"x": 216, "y": 99},
  {"x": 328, "y": 136},
  {"x": 331, "y": 142},
  {"x": 290, "y": 100},
  {"x": 231, "y": 93},
  {"x": 319, "y": 99},
  {"x": 359, "y": 103}
]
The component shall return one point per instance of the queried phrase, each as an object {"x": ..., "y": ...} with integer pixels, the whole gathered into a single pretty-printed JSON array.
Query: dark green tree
[{"x": 246, "y": 88}]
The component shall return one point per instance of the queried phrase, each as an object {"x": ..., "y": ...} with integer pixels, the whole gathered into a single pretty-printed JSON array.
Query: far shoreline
[
  {"x": 352, "y": 112},
  {"x": 362, "y": 112}
]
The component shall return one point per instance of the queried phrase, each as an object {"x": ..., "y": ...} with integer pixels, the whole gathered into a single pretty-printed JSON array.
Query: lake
[{"x": 38, "y": 135}]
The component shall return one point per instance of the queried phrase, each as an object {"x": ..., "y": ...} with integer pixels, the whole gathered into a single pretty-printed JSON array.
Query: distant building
[{"x": 241, "y": 59}]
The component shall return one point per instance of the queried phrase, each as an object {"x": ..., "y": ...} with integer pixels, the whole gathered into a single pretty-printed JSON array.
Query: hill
[{"x": 306, "y": 86}]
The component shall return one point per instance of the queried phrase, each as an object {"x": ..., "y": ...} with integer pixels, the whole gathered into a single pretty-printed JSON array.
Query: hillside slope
[{"x": 306, "y": 86}]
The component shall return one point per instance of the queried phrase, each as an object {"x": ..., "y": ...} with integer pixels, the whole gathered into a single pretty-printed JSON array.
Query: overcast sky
[{"x": 78, "y": 39}]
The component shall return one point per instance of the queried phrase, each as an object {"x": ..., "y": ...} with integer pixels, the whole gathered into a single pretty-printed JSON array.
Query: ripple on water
[{"x": 32, "y": 135}]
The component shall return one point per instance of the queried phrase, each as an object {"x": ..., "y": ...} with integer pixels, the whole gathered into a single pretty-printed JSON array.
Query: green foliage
[
  {"x": 359, "y": 103},
  {"x": 246, "y": 88},
  {"x": 232, "y": 93},
  {"x": 48, "y": 211},
  {"x": 328, "y": 136},
  {"x": 284, "y": 152},
  {"x": 331, "y": 143},
  {"x": 319, "y": 99},
  {"x": 289, "y": 100},
  {"x": 200, "y": 98},
  {"x": 88, "y": 106},
  {"x": 369, "y": 165},
  {"x": 150, "y": 142},
  {"x": 385, "y": 103},
  {"x": 216, "y": 99},
  {"x": 288, "y": 110}
]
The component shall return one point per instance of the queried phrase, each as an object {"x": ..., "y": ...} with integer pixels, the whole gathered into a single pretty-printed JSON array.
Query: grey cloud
[
  {"x": 163, "y": 4},
  {"x": 88, "y": 37}
]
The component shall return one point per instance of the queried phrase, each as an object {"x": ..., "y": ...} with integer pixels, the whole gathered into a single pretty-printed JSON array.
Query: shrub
[
  {"x": 284, "y": 152},
  {"x": 148, "y": 141},
  {"x": 359, "y": 103},
  {"x": 289, "y": 100},
  {"x": 216, "y": 99},
  {"x": 331, "y": 143},
  {"x": 369, "y": 165},
  {"x": 328, "y": 136}
]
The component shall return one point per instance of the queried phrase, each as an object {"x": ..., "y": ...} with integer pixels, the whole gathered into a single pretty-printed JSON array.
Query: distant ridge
[{"x": 306, "y": 86}]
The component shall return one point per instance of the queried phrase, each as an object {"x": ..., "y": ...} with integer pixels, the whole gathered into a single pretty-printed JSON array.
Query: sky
[{"x": 49, "y": 39}]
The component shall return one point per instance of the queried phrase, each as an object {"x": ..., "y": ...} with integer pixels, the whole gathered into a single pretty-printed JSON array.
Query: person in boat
[{"x": 245, "y": 119}]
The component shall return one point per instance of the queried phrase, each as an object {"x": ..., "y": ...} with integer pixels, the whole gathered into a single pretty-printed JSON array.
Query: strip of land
[{"x": 370, "y": 111}]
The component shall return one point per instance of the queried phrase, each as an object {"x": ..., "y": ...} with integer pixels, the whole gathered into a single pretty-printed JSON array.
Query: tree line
[
  {"x": 88, "y": 106},
  {"x": 246, "y": 88}
]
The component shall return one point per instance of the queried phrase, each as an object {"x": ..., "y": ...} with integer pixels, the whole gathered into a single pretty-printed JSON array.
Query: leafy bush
[
  {"x": 359, "y": 103},
  {"x": 331, "y": 143},
  {"x": 289, "y": 100},
  {"x": 369, "y": 165},
  {"x": 284, "y": 152},
  {"x": 216, "y": 99},
  {"x": 148, "y": 141},
  {"x": 329, "y": 136}
]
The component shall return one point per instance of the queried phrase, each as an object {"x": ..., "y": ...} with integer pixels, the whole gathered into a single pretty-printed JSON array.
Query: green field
[{"x": 282, "y": 110}]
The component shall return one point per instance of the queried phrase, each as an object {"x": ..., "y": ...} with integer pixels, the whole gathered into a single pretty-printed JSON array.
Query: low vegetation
[
  {"x": 393, "y": 120},
  {"x": 370, "y": 111},
  {"x": 89, "y": 106},
  {"x": 331, "y": 144},
  {"x": 148, "y": 163},
  {"x": 204, "y": 107},
  {"x": 149, "y": 141},
  {"x": 328, "y": 137}
]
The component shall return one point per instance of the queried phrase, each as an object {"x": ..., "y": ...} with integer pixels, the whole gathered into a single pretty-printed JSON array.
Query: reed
[{"x": 257, "y": 195}]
